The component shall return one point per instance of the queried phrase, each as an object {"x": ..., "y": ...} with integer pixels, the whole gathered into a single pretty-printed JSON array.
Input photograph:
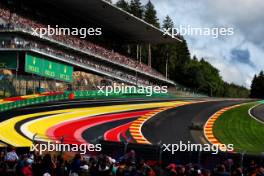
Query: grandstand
[{"x": 94, "y": 55}]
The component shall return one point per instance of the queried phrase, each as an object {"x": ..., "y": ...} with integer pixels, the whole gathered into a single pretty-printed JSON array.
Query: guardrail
[
  {"x": 98, "y": 94},
  {"x": 22, "y": 101}
]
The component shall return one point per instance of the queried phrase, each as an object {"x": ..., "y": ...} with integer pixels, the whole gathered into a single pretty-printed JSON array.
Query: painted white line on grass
[{"x": 251, "y": 115}]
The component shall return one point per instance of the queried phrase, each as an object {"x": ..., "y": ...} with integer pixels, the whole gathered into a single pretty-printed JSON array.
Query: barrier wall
[{"x": 22, "y": 101}]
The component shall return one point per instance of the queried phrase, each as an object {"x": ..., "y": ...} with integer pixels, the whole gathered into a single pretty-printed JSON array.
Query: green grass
[{"x": 237, "y": 127}]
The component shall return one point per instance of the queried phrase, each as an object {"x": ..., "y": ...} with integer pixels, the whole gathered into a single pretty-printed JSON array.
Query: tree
[
  {"x": 235, "y": 91},
  {"x": 195, "y": 58},
  {"x": 194, "y": 73},
  {"x": 257, "y": 86},
  {"x": 167, "y": 23},
  {"x": 123, "y": 5},
  {"x": 261, "y": 84},
  {"x": 162, "y": 53},
  {"x": 253, "y": 92},
  {"x": 136, "y": 8},
  {"x": 151, "y": 14}
]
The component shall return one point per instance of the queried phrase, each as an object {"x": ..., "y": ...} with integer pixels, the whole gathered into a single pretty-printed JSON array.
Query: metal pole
[
  {"x": 16, "y": 72},
  {"x": 136, "y": 78},
  {"x": 26, "y": 85},
  {"x": 39, "y": 84},
  {"x": 16, "y": 84},
  {"x": 137, "y": 52},
  {"x": 140, "y": 54},
  {"x": 149, "y": 55},
  {"x": 167, "y": 59}
]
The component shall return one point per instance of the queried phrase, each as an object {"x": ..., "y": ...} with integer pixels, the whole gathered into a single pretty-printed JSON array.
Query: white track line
[{"x": 251, "y": 115}]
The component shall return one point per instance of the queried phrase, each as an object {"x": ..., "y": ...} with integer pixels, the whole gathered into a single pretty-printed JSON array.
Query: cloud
[
  {"x": 238, "y": 57},
  {"x": 241, "y": 56}
]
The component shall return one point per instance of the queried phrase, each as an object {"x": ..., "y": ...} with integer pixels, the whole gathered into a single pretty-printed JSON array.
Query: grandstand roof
[{"x": 115, "y": 19}]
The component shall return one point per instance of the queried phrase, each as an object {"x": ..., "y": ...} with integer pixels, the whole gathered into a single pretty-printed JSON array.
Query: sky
[{"x": 239, "y": 56}]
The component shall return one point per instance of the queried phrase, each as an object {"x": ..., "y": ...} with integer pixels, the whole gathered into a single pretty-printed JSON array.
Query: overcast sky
[{"x": 238, "y": 57}]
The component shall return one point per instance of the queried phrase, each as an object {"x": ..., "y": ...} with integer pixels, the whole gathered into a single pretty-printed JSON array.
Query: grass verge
[{"x": 237, "y": 127}]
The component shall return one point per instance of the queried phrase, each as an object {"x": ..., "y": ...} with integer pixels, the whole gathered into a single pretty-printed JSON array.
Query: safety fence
[
  {"x": 99, "y": 94},
  {"x": 27, "y": 100},
  {"x": 22, "y": 101}
]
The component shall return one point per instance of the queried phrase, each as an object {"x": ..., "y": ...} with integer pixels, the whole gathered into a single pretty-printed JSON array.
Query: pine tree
[
  {"x": 136, "y": 8},
  {"x": 162, "y": 53},
  {"x": 257, "y": 86},
  {"x": 123, "y": 5},
  {"x": 253, "y": 92},
  {"x": 167, "y": 23},
  {"x": 151, "y": 14},
  {"x": 261, "y": 84}
]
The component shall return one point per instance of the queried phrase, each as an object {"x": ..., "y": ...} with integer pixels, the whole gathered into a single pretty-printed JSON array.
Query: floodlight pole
[
  {"x": 167, "y": 60},
  {"x": 140, "y": 54},
  {"x": 149, "y": 55},
  {"x": 16, "y": 73},
  {"x": 137, "y": 52}
]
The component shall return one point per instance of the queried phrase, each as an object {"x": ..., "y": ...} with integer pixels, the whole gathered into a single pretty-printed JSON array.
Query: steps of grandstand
[{"x": 17, "y": 23}]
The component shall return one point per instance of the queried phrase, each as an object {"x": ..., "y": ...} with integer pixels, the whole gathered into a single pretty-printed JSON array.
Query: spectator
[
  {"x": 76, "y": 165},
  {"x": 48, "y": 165},
  {"x": 27, "y": 169}
]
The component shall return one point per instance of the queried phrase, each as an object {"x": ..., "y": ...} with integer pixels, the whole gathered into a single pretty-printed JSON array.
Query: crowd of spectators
[
  {"x": 16, "y": 43},
  {"x": 31, "y": 164},
  {"x": 16, "y": 21}
]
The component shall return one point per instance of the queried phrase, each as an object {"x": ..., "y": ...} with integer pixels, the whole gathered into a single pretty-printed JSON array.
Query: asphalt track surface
[
  {"x": 172, "y": 126},
  {"x": 58, "y": 105},
  {"x": 19, "y": 126},
  {"x": 258, "y": 112},
  {"x": 83, "y": 121}
]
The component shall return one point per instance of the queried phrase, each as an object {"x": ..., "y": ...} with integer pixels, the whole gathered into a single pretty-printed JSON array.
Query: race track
[
  {"x": 258, "y": 112},
  {"x": 172, "y": 126},
  {"x": 84, "y": 121}
]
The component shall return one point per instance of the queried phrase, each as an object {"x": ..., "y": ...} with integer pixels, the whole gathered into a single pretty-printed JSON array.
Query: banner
[
  {"x": 33, "y": 64},
  {"x": 47, "y": 68}
]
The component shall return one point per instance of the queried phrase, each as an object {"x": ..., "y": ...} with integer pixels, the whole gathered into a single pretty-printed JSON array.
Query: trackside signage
[
  {"x": 8, "y": 61},
  {"x": 50, "y": 69}
]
